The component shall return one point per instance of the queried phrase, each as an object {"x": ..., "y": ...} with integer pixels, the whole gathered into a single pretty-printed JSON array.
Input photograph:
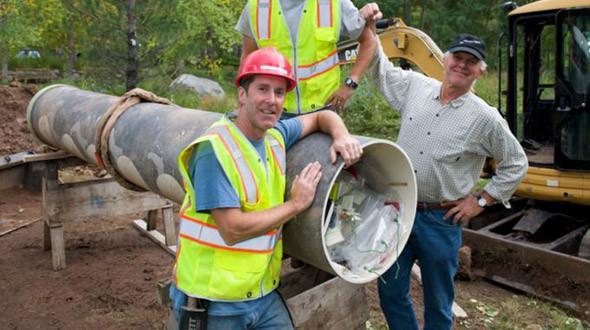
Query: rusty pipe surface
[{"x": 145, "y": 142}]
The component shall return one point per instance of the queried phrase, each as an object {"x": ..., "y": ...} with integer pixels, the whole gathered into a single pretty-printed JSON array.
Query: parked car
[{"x": 28, "y": 53}]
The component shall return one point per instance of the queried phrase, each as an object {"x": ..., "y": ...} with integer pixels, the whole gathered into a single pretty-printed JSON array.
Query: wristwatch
[
  {"x": 351, "y": 83},
  {"x": 481, "y": 201}
]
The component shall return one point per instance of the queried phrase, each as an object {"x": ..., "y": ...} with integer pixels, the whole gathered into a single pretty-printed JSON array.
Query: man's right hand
[
  {"x": 304, "y": 186},
  {"x": 371, "y": 13}
]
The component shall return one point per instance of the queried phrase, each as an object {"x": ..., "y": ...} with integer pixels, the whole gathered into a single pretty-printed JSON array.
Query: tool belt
[{"x": 196, "y": 314}]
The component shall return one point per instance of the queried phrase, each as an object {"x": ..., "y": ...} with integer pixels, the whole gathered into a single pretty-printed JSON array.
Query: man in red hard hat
[{"x": 230, "y": 247}]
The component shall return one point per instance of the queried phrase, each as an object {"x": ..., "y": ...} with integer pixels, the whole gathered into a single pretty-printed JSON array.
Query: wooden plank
[
  {"x": 21, "y": 158},
  {"x": 335, "y": 304},
  {"x": 155, "y": 236},
  {"x": 22, "y": 225},
  {"x": 458, "y": 312},
  {"x": 105, "y": 198},
  {"x": 47, "y": 156},
  {"x": 58, "y": 248},
  {"x": 8, "y": 161},
  {"x": 169, "y": 225}
]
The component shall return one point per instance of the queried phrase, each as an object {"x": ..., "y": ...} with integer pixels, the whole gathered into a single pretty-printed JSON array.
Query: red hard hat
[{"x": 270, "y": 62}]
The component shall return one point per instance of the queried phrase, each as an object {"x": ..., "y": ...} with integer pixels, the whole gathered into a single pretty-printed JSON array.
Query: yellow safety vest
[
  {"x": 315, "y": 59},
  {"x": 206, "y": 267}
]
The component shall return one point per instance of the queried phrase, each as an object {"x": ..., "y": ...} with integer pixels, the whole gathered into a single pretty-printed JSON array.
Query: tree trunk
[
  {"x": 132, "y": 65},
  {"x": 71, "y": 54},
  {"x": 422, "y": 12},
  {"x": 4, "y": 54},
  {"x": 4, "y": 50},
  {"x": 408, "y": 12}
]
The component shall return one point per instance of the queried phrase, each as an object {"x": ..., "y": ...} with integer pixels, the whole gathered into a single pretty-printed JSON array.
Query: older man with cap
[
  {"x": 230, "y": 247},
  {"x": 447, "y": 132}
]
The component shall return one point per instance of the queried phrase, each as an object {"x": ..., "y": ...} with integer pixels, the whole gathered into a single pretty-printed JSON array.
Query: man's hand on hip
[{"x": 464, "y": 210}]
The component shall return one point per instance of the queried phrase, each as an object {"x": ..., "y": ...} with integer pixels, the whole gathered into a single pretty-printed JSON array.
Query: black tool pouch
[{"x": 196, "y": 315}]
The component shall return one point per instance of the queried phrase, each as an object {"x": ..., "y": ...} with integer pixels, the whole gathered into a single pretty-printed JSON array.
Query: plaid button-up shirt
[{"x": 448, "y": 144}]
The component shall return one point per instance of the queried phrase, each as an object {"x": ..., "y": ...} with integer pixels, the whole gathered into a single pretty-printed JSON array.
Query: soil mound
[{"x": 14, "y": 133}]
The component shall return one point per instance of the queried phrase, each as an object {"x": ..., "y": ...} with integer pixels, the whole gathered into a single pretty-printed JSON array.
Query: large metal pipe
[{"x": 147, "y": 138}]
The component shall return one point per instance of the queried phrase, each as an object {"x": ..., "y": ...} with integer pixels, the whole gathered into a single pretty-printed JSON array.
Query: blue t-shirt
[
  {"x": 212, "y": 187},
  {"x": 213, "y": 190}
]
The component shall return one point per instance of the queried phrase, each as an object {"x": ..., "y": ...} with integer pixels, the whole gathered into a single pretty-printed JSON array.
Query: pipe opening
[{"x": 368, "y": 213}]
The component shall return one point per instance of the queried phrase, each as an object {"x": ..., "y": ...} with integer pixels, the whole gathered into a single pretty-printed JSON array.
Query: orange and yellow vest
[
  {"x": 206, "y": 267},
  {"x": 314, "y": 56}
]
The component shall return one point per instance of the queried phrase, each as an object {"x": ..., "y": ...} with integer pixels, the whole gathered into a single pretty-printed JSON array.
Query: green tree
[
  {"x": 209, "y": 35},
  {"x": 17, "y": 29}
]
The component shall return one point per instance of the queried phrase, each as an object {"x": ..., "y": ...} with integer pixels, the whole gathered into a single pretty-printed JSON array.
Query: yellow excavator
[
  {"x": 404, "y": 43},
  {"x": 542, "y": 244}
]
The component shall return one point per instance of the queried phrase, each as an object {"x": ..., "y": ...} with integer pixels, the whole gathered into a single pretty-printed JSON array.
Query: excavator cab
[
  {"x": 573, "y": 72},
  {"x": 548, "y": 86}
]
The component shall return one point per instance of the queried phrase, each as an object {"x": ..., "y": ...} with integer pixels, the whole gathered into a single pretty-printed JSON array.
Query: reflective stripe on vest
[
  {"x": 263, "y": 19},
  {"x": 311, "y": 70},
  {"x": 325, "y": 18},
  {"x": 278, "y": 153},
  {"x": 246, "y": 175},
  {"x": 208, "y": 234}
]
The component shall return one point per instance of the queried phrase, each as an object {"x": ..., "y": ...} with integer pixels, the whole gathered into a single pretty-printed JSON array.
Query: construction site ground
[{"x": 112, "y": 272}]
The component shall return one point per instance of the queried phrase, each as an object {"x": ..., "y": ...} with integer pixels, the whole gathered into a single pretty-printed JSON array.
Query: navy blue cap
[{"x": 469, "y": 44}]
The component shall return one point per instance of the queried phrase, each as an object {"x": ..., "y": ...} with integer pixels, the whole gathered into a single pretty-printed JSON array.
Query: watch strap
[{"x": 351, "y": 83}]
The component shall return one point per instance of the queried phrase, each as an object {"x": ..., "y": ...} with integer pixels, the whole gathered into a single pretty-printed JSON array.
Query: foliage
[
  {"x": 180, "y": 36},
  {"x": 17, "y": 29},
  {"x": 209, "y": 38},
  {"x": 369, "y": 114},
  {"x": 443, "y": 19}
]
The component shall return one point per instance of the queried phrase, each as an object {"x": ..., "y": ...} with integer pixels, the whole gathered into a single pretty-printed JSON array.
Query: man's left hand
[
  {"x": 464, "y": 210},
  {"x": 340, "y": 97},
  {"x": 348, "y": 147}
]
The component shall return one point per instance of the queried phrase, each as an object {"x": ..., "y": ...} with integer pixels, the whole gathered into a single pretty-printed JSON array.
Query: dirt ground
[{"x": 112, "y": 270}]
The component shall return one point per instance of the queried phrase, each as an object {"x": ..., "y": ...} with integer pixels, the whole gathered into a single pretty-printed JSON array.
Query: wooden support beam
[
  {"x": 73, "y": 201},
  {"x": 155, "y": 236},
  {"x": 63, "y": 203},
  {"x": 58, "y": 249},
  {"x": 169, "y": 225},
  {"x": 152, "y": 220}
]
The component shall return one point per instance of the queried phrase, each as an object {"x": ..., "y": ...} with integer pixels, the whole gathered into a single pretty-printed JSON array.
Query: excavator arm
[{"x": 400, "y": 41}]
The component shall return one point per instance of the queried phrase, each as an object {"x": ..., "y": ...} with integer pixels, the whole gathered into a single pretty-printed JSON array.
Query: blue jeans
[
  {"x": 434, "y": 242},
  {"x": 268, "y": 312}
]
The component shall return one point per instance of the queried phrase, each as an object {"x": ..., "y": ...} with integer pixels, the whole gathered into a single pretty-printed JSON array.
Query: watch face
[
  {"x": 482, "y": 202},
  {"x": 350, "y": 83}
]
